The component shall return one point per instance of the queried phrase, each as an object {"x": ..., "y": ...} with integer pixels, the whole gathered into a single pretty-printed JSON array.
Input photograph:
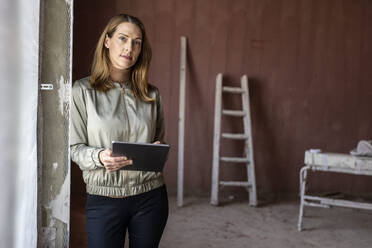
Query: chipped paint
[
  {"x": 55, "y": 166},
  {"x": 64, "y": 92},
  {"x": 60, "y": 205},
  {"x": 48, "y": 237}
]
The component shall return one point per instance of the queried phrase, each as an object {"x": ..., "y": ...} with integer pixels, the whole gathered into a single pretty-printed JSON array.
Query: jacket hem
[{"x": 128, "y": 190}]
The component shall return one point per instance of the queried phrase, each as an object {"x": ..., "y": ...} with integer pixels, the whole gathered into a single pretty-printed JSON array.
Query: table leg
[{"x": 303, "y": 176}]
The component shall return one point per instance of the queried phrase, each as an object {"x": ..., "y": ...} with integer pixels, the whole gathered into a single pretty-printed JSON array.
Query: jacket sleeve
[
  {"x": 83, "y": 155},
  {"x": 160, "y": 128}
]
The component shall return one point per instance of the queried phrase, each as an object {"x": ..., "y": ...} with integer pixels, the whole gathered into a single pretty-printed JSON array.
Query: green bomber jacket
[{"x": 97, "y": 119}]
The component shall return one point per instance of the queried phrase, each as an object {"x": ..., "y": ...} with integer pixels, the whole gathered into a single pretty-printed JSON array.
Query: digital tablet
[{"x": 145, "y": 156}]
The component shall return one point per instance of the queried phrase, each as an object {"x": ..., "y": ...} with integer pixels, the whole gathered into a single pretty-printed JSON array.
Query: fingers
[
  {"x": 157, "y": 142},
  {"x": 125, "y": 162},
  {"x": 111, "y": 160},
  {"x": 113, "y": 163},
  {"x": 117, "y": 166}
]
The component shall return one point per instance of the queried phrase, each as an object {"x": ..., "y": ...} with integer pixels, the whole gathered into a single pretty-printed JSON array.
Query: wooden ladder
[{"x": 248, "y": 160}]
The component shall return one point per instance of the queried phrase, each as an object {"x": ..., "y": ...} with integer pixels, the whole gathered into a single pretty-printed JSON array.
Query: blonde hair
[{"x": 100, "y": 72}]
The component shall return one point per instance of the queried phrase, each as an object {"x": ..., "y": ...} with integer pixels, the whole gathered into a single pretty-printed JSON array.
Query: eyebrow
[{"x": 138, "y": 38}]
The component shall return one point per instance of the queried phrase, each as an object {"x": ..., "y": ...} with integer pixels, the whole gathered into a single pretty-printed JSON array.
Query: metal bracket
[{"x": 46, "y": 87}]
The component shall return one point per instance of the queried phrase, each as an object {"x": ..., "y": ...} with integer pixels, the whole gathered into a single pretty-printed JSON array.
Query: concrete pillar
[{"x": 53, "y": 122}]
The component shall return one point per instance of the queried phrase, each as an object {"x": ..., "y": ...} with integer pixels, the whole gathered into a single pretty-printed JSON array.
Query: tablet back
[{"x": 145, "y": 156}]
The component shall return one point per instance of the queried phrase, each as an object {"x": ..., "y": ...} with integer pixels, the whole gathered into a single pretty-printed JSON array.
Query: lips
[{"x": 126, "y": 57}]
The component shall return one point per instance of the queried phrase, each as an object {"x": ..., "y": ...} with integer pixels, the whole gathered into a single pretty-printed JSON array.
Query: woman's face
[{"x": 124, "y": 46}]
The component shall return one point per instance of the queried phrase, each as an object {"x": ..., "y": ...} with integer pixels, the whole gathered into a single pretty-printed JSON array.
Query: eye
[
  {"x": 137, "y": 43},
  {"x": 122, "y": 38}
]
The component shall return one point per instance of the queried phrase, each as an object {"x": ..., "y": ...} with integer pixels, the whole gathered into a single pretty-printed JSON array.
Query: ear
[{"x": 107, "y": 41}]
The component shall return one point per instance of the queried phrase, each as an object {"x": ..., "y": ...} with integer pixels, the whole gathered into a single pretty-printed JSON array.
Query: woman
[{"x": 116, "y": 103}]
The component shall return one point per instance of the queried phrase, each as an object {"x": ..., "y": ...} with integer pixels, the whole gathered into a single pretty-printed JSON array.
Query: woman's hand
[
  {"x": 113, "y": 163},
  {"x": 156, "y": 142}
]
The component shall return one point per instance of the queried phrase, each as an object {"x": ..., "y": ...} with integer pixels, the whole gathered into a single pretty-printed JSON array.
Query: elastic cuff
[{"x": 95, "y": 157}]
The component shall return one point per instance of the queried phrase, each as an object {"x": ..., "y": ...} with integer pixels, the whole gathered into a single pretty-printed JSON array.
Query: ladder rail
[{"x": 249, "y": 142}]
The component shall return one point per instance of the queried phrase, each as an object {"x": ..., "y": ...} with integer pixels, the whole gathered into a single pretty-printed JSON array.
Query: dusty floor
[{"x": 235, "y": 224}]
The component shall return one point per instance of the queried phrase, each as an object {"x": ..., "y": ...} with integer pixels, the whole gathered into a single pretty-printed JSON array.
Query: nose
[{"x": 128, "y": 46}]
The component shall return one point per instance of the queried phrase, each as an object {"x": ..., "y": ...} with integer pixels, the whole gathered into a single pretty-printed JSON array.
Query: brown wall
[{"x": 309, "y": 65}]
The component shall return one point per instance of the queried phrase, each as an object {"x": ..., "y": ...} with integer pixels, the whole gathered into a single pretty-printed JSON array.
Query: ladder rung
[
  {"x": 233, "y": 112},
  {"x": 234, "y": 136},
  {"x": 234, "y": 159},
  {"x": 237, "y": 90},
  {"x": 227, "y": 183}
]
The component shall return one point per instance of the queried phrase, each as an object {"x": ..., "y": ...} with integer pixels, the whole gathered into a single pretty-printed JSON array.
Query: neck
[{"x": 119, "y": 76}]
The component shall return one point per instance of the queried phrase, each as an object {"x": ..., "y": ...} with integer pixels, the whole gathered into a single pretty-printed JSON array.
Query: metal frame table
[{"x": 331, "y": 162}]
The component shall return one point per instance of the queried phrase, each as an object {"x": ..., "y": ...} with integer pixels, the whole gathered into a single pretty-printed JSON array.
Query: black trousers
[{"x": 143, "y": 215}]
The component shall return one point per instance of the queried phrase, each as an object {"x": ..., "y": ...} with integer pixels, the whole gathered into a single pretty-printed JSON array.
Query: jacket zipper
[{"x": 126, "y": 111}]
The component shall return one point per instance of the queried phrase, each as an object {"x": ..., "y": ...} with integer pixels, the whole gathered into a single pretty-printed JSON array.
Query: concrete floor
[{"x": 236, "y": 225}]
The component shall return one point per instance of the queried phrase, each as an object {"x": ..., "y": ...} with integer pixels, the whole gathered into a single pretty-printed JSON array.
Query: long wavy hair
[{"x": 101, "y": 66}]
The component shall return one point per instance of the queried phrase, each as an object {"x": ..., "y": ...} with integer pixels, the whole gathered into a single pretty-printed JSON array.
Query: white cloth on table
[{"x": 364, "y": 148}]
